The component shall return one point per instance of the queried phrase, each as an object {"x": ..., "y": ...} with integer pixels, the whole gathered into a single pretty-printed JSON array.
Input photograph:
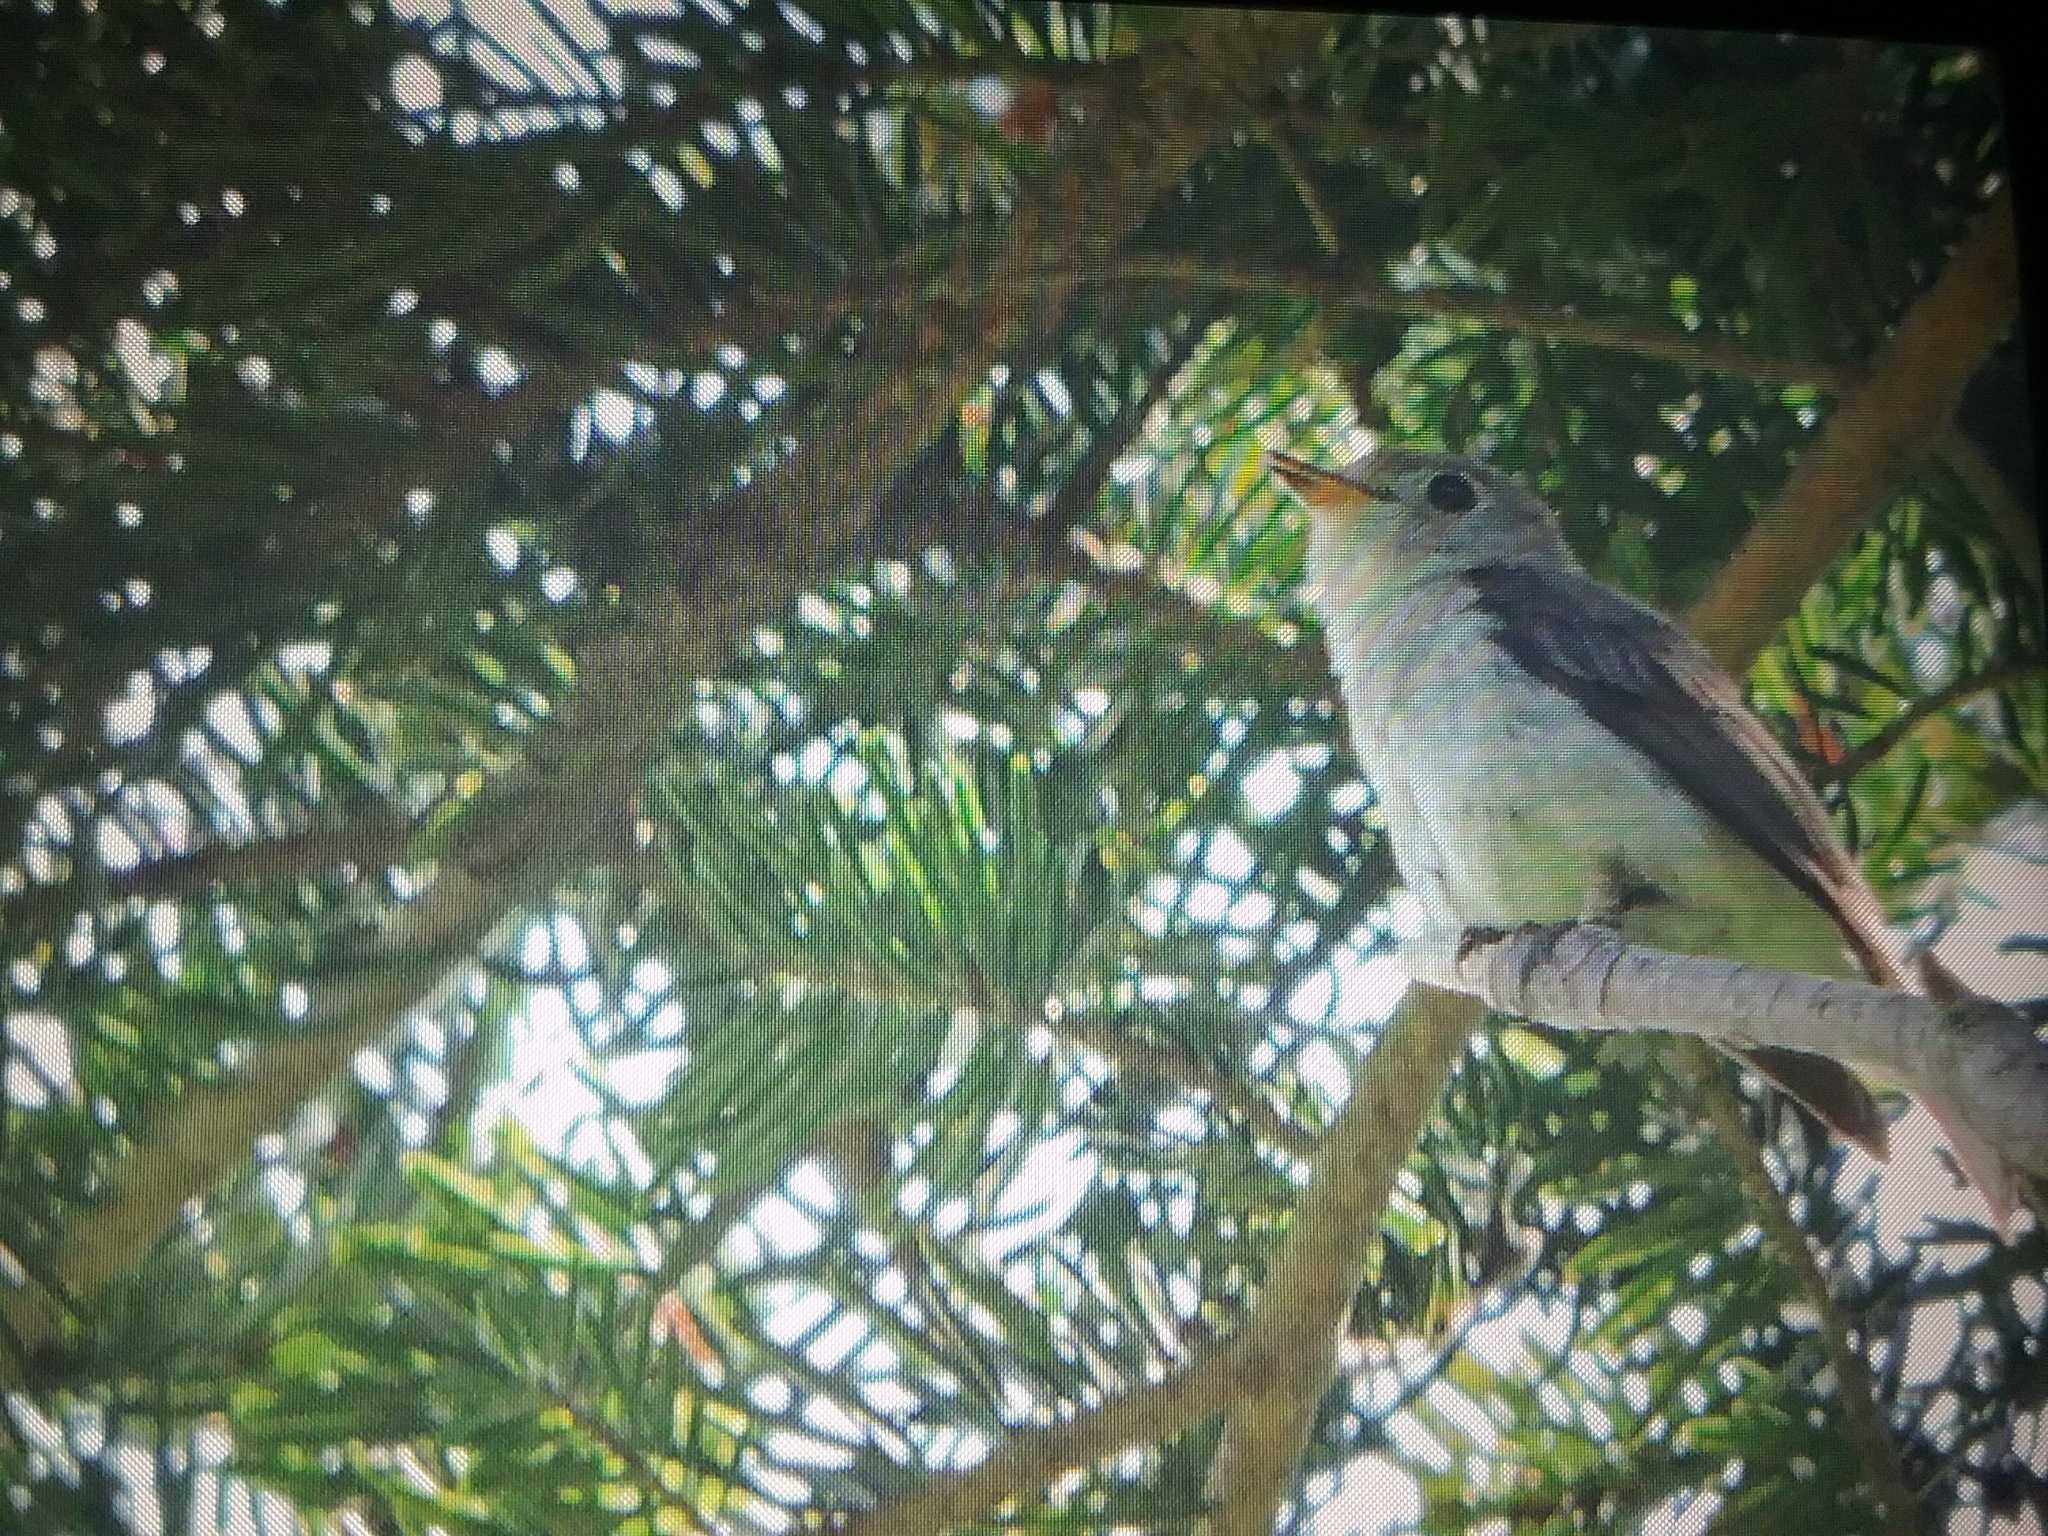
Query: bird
[{"x": 1545, "y": 749}]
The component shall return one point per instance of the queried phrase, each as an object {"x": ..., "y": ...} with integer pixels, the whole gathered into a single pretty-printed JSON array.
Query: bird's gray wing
[{"x": 1645, "y": 681}]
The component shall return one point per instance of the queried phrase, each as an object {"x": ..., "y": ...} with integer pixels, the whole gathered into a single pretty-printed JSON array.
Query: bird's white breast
[{"x": 1504, "y": 802}]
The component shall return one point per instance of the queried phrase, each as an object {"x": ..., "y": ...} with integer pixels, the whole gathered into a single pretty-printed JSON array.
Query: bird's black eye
[{"x": 1452, "y": 493}]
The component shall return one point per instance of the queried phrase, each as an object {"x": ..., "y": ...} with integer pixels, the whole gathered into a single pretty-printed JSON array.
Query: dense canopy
[{"x": 674, "y": 851}]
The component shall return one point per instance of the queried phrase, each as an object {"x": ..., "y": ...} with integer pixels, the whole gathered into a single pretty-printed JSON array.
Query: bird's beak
[{"x": 1323, "y": 491}]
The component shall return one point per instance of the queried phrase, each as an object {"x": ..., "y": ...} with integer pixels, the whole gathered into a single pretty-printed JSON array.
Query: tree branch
[
  {"x": 370, "y": 840},
  {"x": 1344, "y": 288},
  {"x": 1132, "y": 1053},
  {"x": 1964, "y": 458},
  {"x": 1274, "y": 136},
  {"x": 1292, "y": 1335},
  {"x": 1026, "y": 1463},
  {"x": 1287, "y": 1357},
  {"x": 1866, "y": 1424},
  {"x": 1859, "y": 757},
  {"x": 205, "y": 1131},
  {"x": 1878, "y": 435},
  {"x": 1979, "y": 1055}
]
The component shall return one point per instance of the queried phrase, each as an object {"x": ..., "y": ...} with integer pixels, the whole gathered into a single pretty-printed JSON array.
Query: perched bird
[{"x": 1546, "y": 749}]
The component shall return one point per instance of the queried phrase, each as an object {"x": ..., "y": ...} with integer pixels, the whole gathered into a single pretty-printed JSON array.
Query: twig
[
  {"x": 1992, "y": 679},
  {"x": 1963, "y": 458},
  {"x": 1348, "y": 289},
  {"x": 1135, "y": 1054},
  {"x": 1858, "y": 1394},
  {"x": 1275, "y": 137}
]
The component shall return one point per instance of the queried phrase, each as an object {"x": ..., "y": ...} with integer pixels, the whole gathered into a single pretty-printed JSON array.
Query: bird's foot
[
  {"x": 1623, "y": 889},
  {"x": 1484, "y": 935},
  {"x": 1478, "y": 936}
]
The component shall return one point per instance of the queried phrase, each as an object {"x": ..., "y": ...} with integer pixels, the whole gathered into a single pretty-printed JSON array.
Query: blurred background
[{"x": 674, "y": 852}]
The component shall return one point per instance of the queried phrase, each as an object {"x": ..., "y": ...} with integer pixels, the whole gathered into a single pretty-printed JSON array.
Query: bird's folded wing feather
[
  {"x": 1656, "y": 691},
  {"x": 1652, "y": 687}
]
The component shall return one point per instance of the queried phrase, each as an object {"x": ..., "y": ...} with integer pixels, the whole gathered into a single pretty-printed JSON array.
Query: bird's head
[{"x": 1402, "y": 516}]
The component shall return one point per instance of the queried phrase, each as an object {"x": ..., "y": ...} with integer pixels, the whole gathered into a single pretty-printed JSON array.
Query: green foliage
[{"x": 816, "y": 1040}]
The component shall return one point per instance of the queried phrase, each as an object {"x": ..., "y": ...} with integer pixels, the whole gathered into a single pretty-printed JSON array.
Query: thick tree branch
[
  {"x": 1288, "y": 1354},
  {"x": 205, "y": 1132},
  {"x": 1026, "y": 1463},
  {"x": 1878, "y": 435},
  {"x": 370, "y": 840},
  {"x": 1858, "y": 1393},
  {"x": 1292, "y": 1336},
  {"x": 1980, "y": 1056}
]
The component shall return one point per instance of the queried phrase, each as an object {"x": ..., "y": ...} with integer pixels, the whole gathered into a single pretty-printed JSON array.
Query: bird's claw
[
  {"x": 1482, "y": 935},
  {"x": 1478, "y": 936}
]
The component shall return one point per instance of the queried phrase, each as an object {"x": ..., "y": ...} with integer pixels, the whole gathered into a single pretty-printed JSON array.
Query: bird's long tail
[{"x": 1834, "y": 1094}]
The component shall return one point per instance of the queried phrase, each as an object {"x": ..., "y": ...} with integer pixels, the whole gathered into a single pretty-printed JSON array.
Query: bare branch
[
  {"x": 1979, "y": 1055},
  {"x": 1288, "y": 1351}
]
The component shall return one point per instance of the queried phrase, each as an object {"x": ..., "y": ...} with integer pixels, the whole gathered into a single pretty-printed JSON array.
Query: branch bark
[
  {"x": 1026, "y": 1463},
  {"x": 1288, "y": 1356},
  {"x": 1979, "y": 1055},
  {"x": 369, "y": 841},
  {"x": 1853, "y": 1383},
  {"x": 1878, "y": 435}
]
